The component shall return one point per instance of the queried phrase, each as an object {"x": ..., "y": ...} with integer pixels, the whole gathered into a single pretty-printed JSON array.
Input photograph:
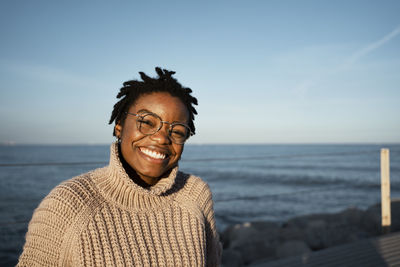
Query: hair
[{"x": 133, "y": 89}]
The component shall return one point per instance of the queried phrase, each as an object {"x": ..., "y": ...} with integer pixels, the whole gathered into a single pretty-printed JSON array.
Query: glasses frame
[{"x": 171, "y": 124}]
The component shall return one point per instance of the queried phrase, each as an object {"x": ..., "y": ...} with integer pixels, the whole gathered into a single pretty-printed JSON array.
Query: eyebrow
[{"x": 145, "y": 111}]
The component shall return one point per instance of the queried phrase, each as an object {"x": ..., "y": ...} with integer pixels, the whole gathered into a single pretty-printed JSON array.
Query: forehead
[{"x": 168, "y": 107}]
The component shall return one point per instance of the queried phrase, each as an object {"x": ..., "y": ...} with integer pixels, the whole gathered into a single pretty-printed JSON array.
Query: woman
[{"x": 139, "y": 210}]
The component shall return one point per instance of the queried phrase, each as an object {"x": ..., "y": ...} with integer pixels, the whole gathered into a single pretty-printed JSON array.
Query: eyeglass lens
[{"x": 150, "y": 124}]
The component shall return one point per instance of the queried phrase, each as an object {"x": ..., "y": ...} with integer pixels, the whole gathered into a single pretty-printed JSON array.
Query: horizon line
[{"x": 212, "y": 143}]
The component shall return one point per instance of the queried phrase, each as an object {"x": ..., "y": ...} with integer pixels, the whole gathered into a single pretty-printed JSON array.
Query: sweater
[{"x": 102, "y": 218}]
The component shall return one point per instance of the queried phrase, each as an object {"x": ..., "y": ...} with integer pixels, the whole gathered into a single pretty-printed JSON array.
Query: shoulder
[
  {"x": 195, "y": 187},
  {"x": 192, "y": 182},
  {"x": 71, "y": 196},
  {"x": 52, "y": 226}
]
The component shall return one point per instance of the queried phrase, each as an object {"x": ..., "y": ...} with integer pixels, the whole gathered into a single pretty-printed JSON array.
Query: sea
[{"x": 255, "y": 182}]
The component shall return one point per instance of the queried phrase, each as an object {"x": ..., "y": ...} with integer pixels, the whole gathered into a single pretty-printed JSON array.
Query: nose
[{"x": 162, "y": 136}]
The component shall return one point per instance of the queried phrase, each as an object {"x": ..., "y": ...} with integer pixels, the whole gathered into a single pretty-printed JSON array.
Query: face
[{"x": 152, "y": 156}]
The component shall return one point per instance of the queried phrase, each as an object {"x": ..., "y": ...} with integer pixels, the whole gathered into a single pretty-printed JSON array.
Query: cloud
[
  {"x": 303, "y": 87},
  {"x": 373, "y": 46}
]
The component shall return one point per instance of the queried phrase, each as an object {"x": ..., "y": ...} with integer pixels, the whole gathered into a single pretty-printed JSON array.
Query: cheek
[
  {"x": 135, "y": 136},
  {"x": 178, "y": 150},
  {"x": 129, "y": 132}
]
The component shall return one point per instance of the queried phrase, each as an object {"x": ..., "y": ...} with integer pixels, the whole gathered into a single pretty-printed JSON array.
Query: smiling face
[{"x": 152, "y": 156}]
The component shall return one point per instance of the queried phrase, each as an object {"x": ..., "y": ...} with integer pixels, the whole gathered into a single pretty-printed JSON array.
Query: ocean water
[{"x": 249, "y": 182}]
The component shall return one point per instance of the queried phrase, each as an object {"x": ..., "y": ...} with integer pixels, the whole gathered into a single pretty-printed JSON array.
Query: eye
[
  {"x": 146, "y": 121},
  {"x": 149, "y": 121},
  {"x": 178, "y": 133}
]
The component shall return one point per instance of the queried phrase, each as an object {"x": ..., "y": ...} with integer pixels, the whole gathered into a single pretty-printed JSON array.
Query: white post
[{"x": 385, "y": 190}]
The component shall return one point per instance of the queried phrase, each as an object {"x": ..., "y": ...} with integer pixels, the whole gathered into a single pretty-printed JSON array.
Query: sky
[{"x": 263, "y": 71}]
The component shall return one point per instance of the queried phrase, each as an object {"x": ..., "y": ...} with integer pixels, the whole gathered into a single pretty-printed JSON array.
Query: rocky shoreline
[{"x": 253, "y": 241}]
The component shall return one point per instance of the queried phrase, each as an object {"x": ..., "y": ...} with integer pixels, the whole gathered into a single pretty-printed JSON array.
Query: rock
[
  {"x": 241, "y": 233},
  {"x": 371, "y": 222},
  {"x": 395, "y": 208},
  {"x": 255, "y": 240},
  {"x": 351, "y": 216},
  {"x": 302, "y": 222},
  {"x": 325, "y": 230},
  {"x": 238, "y": 233},
  {"x": 262, "y": 241},
  {"x": 231, "y": 258},
  {"x": 316, "y": 234},
  {"x": 335, "y": 230},
  {"x": 265, "y": 226},
  {"x": 291, "y": 232},
  {"x": 292, "y": 248},
  {"x": 253, "y": 251}
]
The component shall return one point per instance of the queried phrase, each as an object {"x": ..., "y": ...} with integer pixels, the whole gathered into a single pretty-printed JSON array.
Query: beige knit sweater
[{"x": 102, "y": 218}]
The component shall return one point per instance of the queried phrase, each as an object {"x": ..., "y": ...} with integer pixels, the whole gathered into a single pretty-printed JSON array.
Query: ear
[{"x": 118, "y": 130}]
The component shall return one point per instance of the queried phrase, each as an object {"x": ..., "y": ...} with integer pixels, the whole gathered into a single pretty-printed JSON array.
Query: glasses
[{"x": 150, "y": 123}]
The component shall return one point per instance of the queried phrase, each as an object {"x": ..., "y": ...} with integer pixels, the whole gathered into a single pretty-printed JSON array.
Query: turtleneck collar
[
  {"x": 117, "y": 185},
  {"x": 130, "y": 171}
]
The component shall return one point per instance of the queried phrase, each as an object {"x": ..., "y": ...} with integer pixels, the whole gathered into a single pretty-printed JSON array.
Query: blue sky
[{"x": 263, "y": 71}]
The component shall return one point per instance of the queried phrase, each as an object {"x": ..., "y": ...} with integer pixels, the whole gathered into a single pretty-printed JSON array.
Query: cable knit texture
[{"x": 102, "y": 218}]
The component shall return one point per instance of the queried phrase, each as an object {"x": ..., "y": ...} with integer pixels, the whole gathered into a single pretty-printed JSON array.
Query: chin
[{"x": 156, "y": 175}]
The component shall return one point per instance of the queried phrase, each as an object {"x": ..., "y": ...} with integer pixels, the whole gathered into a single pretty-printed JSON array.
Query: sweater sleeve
[
  {"x": 45, "y": 234},
  {"x": 47, "y": 243},
  {"x": 214, "y": 247}
]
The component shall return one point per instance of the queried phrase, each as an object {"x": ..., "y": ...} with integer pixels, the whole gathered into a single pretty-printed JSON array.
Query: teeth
[{"x": 153, "y": 154}]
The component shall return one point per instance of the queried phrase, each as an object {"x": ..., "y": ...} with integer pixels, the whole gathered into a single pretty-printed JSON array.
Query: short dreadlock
[{"x": 133, "y": 89}]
